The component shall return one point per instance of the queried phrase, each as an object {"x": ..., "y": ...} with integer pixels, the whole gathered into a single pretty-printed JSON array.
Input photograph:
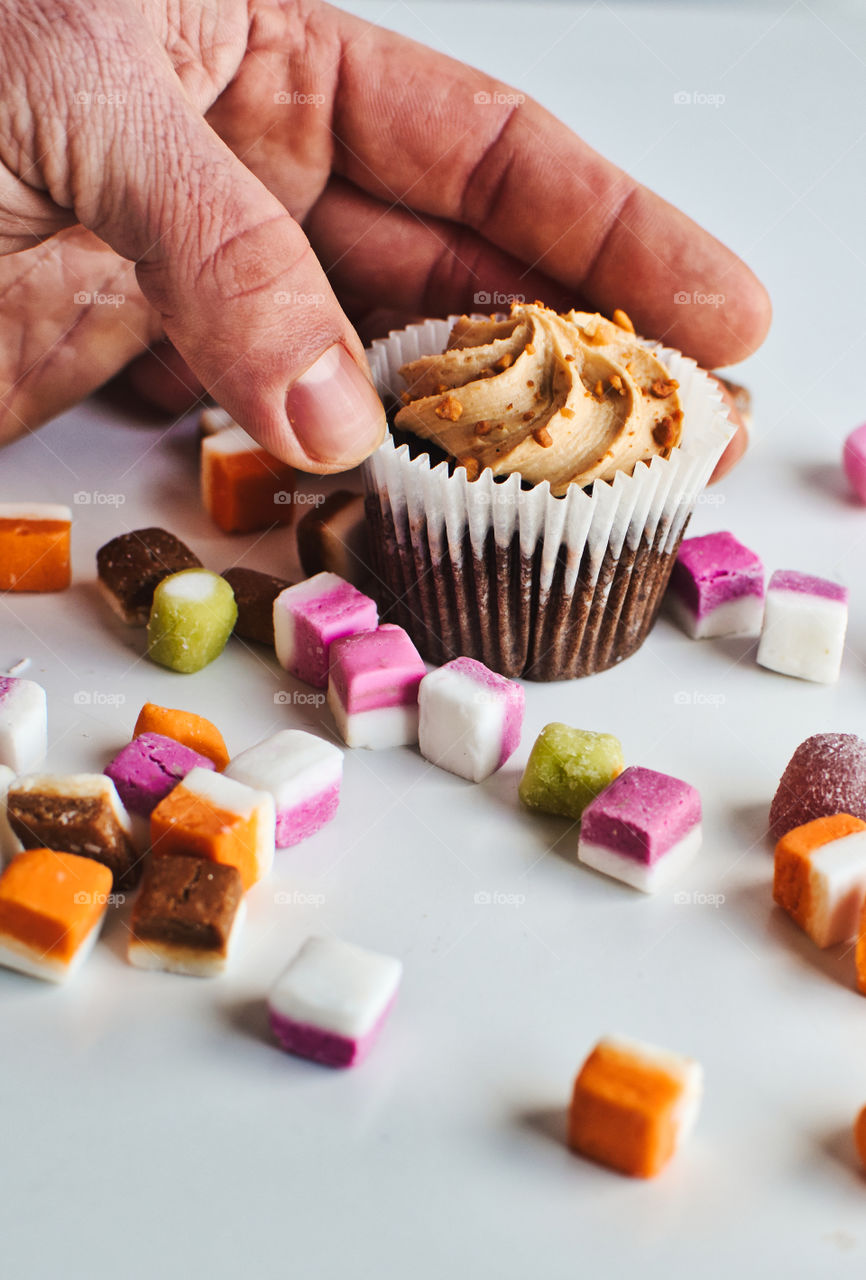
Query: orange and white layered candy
[
  {"x": 51, "y": 907},
  {"x": 820, "y": 877},
  {"x": 34, "y": 546},
  {"x": 633, "y": 1105},
  {"x": 211, "y": 816},
  {"x": 244, "y": 487}
]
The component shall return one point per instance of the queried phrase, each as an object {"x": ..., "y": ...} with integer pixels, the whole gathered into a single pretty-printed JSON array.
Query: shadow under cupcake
[{"x": 527, "y": 506}]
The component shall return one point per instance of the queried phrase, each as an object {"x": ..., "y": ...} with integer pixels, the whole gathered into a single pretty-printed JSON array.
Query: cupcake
[{"x": 528, "y": 503}]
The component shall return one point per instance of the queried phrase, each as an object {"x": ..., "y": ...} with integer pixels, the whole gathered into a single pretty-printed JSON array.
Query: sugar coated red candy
[{"x": 825, "y": 775}]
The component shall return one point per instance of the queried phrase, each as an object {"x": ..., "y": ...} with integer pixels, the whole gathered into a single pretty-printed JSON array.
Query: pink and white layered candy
[
  {"x": 150, "y": 766},
  {"x": 302, "y": 772},
  {"x": 643, "y": 829},
  {"x": 331, "y": 1001},
  {"x": 470, "y": 718},
  {"x": 23, "y": 724},
  {"x": 310, "y": 616},
  {"x": 716, "y": 587},
  {"x": 854, "y": 461},
  {"x": 805, "y": 620},
  {"x": 373, "y": 689}
]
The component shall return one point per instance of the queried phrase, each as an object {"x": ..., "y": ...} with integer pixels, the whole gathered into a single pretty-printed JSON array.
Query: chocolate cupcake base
[{"x": 520, "y": 630}]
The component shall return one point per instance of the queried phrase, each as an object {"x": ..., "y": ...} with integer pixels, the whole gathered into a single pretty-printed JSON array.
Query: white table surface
[{"x": 149, "y": 1126}]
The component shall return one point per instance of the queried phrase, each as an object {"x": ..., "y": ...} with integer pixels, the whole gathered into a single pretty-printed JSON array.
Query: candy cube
[
  {"x": 310, "y": 616},
  {"x": 211, "y": 816},
  {"x": 469, "y": 718},
  {"x": 334, "y": 538},
  {"x": 303, "y": 774},
  {"x": 819, "y": 877},
  {"x": 51, "y": 907},
  {"x": 633, "y": 1105},
  {"x": 23, "y": 723},
  {"x": 9, "y": 842},
  {"x": 860, "y": 1136},
  {"x": 255, "y": 594},
  {"x": 373, "y": 688},
  {"x": 187, "y": 916},
  {"x": 149, "y": 767},
  {"x": 567, "y": 768},
  {"x": 717, "y": 587},
  {"x": 854, "y": 461},
  {"x": 192, "y": 730},
  {"x": 213, "y": 419},
  {"x": 643, "y": 829},
  {"x": 331, "y": 1001},
  {"x": 131, "y": 566},
  {"x": 34, "y": 546},
  {"x": 244, "y": 487},
  {"x": 75, "y": 813},
  {"x": 805, "y": 620},
  {"x": 192, "y": 617}
]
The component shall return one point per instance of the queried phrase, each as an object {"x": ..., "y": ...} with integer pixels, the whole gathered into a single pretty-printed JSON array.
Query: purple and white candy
[
  {"x": 302, "y": 772},
  {"x": 716, "y": 587},
  {"x": 643, "y": 829},
  {"x": 805, "y": 620},
  {"x": 23, "y": 724},
  {"x": 310, "y": 616},
  {"x": 149, "y": 767},
  {"x": 373, "y": 688},
  {"x": 331, "y": 1001},
  {"x": 470, "y": 718}
]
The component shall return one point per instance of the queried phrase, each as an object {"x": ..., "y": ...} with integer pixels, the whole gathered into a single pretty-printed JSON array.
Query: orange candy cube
[
  {"x": 34, "y": 546},
  {"x": 208, "y": 815},
  {"x": 632, "y": 1106},
  {"x": 51, "y": 906},
  {"x": 860, "y": 1135},
  {"x": 819, "y": 877},
  {"x": 183, "y": 726},
  {"x": 860, "y": 967},
  {"x": 244, "y": 488}
]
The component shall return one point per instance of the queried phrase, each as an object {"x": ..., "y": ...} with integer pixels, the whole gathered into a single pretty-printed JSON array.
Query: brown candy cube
[{"x": 186, "y": 916}]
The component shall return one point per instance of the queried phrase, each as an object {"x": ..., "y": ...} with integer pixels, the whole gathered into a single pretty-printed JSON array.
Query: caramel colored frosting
[{"x": 565, "y": 398}]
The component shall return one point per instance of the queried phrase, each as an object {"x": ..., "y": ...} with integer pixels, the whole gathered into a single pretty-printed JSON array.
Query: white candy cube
[
  {"x": 23, "y": 724},
  {"x": 805, "y": 620},
  {"x": 470, "y": 718}
]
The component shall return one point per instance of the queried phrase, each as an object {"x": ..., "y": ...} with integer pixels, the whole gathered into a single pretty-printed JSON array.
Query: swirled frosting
[{"x": 565, "y": 398}]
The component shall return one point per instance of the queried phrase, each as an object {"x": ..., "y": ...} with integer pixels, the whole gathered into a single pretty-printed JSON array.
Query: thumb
[{"x": 237, "y": 286}]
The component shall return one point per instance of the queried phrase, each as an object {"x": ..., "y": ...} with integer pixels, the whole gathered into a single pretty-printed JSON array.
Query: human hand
[{"x": 236, "y": 152}]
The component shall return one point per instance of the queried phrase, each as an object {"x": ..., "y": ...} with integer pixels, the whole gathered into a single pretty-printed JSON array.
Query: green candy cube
[
  {"x": 569, "y": 767},
  {"x": 191, "y": 619}
]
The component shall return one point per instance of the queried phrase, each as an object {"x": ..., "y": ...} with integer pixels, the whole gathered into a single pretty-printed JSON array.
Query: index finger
[{"x": 447, "y": 140}]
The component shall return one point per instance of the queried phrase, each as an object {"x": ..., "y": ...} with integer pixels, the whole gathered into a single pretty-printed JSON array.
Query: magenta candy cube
[
  {"x": 332, "y": 1001},
  {"x": 310, "y": 616},
  {"x": 643, "y": 829},
  {"x": 149, "y": 767},
  {"x": 303, "y": 774},
  {"x": 373, "y": 688},
  {"x": 716, "y": 587},
  {"x": 854, "y": 461}
]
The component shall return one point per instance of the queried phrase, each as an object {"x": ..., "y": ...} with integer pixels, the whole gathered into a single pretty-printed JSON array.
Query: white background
[{"x": 149, "y": 1126}]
